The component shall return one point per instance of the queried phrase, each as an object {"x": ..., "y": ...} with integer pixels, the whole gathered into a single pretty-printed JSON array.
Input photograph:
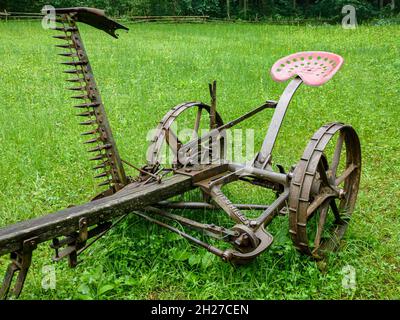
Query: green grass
[{"x": 44, "y": 167}]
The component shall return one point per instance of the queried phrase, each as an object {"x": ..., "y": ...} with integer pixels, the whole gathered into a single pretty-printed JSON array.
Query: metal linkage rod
[
  {"x": 215, "y": 132},
  {"x": 200, "y": 243},
  {"x": 260, "y": 173},
  {"x": 208, "y": 206}
]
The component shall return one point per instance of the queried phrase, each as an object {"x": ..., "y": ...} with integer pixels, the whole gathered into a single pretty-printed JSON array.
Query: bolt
[{"x": 253, "y": 223}]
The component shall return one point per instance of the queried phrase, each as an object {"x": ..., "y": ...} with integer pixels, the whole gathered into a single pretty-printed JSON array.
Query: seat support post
[{"x": 263, "y": 158}]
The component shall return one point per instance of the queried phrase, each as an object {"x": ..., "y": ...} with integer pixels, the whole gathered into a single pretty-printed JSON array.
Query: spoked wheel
[
  {"x": 194, "y": 118},
  {"x": 324, "y": 189}
]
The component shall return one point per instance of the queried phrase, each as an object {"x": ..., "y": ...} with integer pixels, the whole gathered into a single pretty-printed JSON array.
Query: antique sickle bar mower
[{"x": 318, "y": 194}]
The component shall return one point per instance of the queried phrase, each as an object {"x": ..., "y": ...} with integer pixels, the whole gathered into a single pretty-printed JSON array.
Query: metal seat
[{"x": 314, "y": 67}]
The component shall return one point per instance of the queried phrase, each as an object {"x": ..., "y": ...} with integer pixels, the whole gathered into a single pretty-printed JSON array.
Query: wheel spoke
[
  {"x": 336, "y": 155},
  {"x": 346, "y": 174},
  {"x": 172, "y": 141},
  {"x": 318, "y": 201},
  {"x": 321, "y": 224},
  {"x": 322, "y": 173},
  {"x": 335, "y": 211},
  {"x": 197, "y": 124}
]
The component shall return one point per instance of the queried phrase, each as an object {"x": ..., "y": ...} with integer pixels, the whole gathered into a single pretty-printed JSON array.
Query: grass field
[{"x": 44, "y": 167}]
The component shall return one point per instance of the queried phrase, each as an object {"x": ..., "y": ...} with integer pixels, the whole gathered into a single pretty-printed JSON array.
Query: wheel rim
[{"x": 324, "y": 189}]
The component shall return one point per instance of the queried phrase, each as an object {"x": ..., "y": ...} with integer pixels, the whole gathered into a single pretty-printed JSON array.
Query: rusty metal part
[
  {"x": 274, "y": 209},
  {"x": 164, "y": 133},
  {"x": 208, "y": 206},
  {"x": 223, "y": 201},
  {"x": 192, "y": 145},
  {"x": 143, "y": 171},
  {"x": 218, "y": 232},
  {"x": 100, "y": 132},
  {"x": 74, "y": 242},
  {"x": 213, "y": 110},
  {"x": 263, "y": 159},
  {"x": 269, "y": 175},
  {"x": 20, "y": 263},
  {"x": 316, "y": 187},
  {"x": 250, "y": 252},
  {"x": 93, "y": 17},
  {"x": 200, "y": 243},
  {"x": 247, "y": 241}
]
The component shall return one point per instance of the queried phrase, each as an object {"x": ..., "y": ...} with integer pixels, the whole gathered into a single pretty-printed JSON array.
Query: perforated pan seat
[{"x": 314, "y": 67}]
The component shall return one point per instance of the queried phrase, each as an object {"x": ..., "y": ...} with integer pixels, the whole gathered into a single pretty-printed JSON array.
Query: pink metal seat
[{"x": 314, "y": 67}]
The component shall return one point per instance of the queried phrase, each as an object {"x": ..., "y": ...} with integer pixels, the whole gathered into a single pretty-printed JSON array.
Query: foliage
[{"x": 243, "y": 9}]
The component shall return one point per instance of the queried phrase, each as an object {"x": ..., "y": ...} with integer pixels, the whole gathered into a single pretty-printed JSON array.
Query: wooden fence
[{"x": 172, "y": 19}]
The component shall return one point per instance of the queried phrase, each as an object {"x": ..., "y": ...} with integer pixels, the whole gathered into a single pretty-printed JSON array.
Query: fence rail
[
  {"x": 4, "y": 15},
  {"x": 20, "y": 15},
  {"x": 173, "y": 19},
  {"x": 29, "y": 15},
  {"x": 169, "y": 18}
]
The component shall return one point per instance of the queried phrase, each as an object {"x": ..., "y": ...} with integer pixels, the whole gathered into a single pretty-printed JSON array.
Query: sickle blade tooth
[
  {"x": 73, "y": 71},
  {"x": 92, "y": 141},
  {"x": 93, "y": 104},
  {"x": 105, "y": 183},
  {"x": 86, "y": 114},
  {"x": 100, "y": 148},
  {"x": 97, "y": 149},
  {"x": 100, "y": 166},
  {"x": 77, "y": 88},
  {"x": 102, "y": 175},
  {"x": 65, "y": 46},
  {"x": 74, "y": 63},
  {"x": 67, "y": 54},
  {"x": 88, "y": 123},
  {"x": 88, "y": 105},
  {"x": 99, "y": 157},
  {"x": 67, "y": 38},
  {"x": 89, "y": 132},
  {"x": 75, "y": 80},
  {"x": 81, "y": 106},
  {"x": 84, "y": 97},
  {"x": 65, "y": 29},
  {"x": 58, "y": 28}
]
